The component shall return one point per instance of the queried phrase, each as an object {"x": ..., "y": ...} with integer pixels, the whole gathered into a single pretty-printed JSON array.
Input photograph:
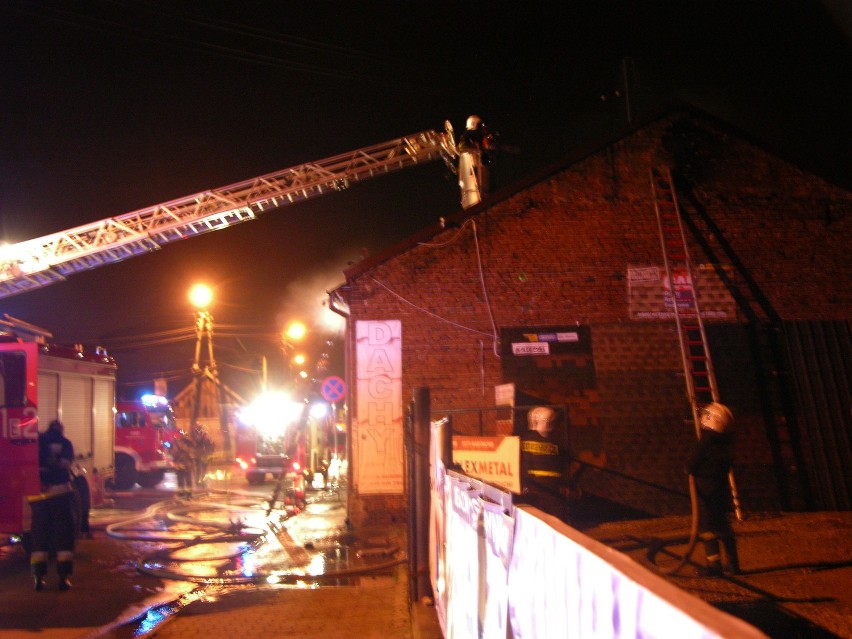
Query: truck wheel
[
  {"x": 151, "y": 478},
  {"x": 125, "y": 472}
]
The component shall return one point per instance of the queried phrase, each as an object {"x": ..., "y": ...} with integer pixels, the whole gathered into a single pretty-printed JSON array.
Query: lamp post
[
  {"x": 201, "y": 296},
  {"x": 294, "y": 332}
]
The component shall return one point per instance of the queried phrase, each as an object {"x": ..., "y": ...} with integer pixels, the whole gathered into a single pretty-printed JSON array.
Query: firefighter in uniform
[
  {"x": 183, "y": 459},
  {"x": 54, "y": 522},
  {"x": 475, "y": 146},
  {"x": 710, "y": 464},
  {"x": 545, "y": 465},
  {"x": 202, "y": 451}
]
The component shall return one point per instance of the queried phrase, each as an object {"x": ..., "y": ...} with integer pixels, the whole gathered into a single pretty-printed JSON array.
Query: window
[{"x": 13, "y": 378}]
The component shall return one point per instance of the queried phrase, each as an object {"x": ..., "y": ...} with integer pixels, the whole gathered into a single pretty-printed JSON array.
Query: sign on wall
[
  {"x": 652, "y": 296},
  {"x": 377, "y": 429},
  {"x": 495, "y": 460}
]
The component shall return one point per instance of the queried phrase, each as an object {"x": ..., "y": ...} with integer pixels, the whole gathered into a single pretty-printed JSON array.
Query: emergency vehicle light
[{"x": 154, "y": 401}]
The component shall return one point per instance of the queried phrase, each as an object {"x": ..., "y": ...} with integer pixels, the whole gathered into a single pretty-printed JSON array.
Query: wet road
[{"x": 150, "y": 550}]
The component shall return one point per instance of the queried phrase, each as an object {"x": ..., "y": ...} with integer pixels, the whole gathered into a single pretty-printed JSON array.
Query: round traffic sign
[{"x": 333, "y": 388}]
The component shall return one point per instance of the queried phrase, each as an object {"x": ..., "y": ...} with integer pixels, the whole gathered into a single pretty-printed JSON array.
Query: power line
[{"x": 113, "y": 28}]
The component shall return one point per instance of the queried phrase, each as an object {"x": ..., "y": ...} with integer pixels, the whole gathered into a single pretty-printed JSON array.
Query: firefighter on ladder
[{"x": 53, "y": 525}]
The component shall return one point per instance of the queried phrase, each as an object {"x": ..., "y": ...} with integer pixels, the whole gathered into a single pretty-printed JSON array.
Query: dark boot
[
  {"x": 64, "y": 568},
  {"x": 714, "y": 559},
  {"x": 38, "y": 568}
]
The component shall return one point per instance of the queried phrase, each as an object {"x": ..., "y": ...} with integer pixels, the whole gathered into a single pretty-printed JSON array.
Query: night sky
[{"x": 109, "y": 106}]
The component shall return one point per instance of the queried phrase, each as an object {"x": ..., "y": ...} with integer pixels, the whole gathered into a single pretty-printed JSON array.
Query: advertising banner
[
  {"x": 377, "y": 430},
  {"x": 653, "y": 296},
  {"x": 495, "y": 460}
]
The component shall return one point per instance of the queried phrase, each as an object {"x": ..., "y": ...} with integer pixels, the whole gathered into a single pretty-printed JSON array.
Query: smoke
[{"x": 306, "y": 300}]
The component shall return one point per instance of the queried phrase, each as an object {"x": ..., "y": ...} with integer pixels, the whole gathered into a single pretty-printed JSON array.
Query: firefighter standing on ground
[
  {"x": 54, "y": 525},
  {"x": 545, "y": 465},
  {"x": 710, "y": 464},
  {"x": 184, "y": 462},
  {"x": 191, "y": 455},
  {"x": 202, "y": 450}
]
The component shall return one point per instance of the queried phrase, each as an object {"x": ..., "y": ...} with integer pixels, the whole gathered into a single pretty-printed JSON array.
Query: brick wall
[{"x": 557, "y": 253}]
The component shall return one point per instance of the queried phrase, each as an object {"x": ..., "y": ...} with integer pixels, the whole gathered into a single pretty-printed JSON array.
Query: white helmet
[
  {"x": 541, "y": 419},
  {"x": 473, "y": 122},
  {"x": 718, "y": 417}
]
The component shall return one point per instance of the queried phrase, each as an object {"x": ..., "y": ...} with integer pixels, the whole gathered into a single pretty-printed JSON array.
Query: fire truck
[
  {"x": 145, "y": 431},
  {"x": 40, "y": 382},
  {"x": 270, "y": 439}
]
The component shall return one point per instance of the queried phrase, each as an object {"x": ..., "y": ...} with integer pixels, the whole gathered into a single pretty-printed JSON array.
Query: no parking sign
[{"x": 333, "y": 388}]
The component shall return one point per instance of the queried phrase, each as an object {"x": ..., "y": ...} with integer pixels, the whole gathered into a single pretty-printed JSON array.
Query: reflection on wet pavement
[{"x": 223, "y": 542}]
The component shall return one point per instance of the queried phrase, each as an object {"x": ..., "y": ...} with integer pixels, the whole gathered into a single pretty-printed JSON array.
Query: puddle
[{"x": 206, "y": 550}]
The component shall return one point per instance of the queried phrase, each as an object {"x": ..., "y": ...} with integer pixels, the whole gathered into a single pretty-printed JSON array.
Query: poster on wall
[
  {"x": 496, "y": 460},
  {"x": 377, "y": 429},
  {"x": 652, "y": 295}
]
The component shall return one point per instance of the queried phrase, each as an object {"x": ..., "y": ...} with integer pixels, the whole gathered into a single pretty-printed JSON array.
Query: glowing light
[
  {"x": 271, "y": 413},
  {"x": 154, "y": 401},
  {"x": 319, "y": 410},
  {"x": 201, "y": 296},
  {"x": 296, "y": 331}
]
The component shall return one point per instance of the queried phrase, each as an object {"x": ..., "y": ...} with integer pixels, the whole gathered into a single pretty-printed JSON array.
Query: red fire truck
[
  {"x": 268, "y": 439},
  {"x": 40, "y": 382},
  {"x": 145, "y": 431}
]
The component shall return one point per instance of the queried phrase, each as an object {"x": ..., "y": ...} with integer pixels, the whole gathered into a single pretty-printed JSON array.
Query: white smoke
[{"x": 306, "y": 300}]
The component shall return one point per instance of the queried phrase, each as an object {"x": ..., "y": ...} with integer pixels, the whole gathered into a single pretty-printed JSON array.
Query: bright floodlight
[
  {"x": 271, "y": 413},
  {"x": 296, "y": 331},
  {"x": 319, "y": 410},
  {"x": 200, "y": 296}
]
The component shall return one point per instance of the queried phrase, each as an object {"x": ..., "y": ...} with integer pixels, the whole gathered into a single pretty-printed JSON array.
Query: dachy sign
[{"x": 377, "y": 430}]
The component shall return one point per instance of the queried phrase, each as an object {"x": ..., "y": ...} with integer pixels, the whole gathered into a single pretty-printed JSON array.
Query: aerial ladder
[
  {"x": 697, "y": 363},
  {"x": 39, "y": 262}
]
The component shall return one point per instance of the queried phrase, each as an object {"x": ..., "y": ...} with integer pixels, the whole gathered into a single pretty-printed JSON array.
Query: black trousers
[{"x": 54, "y": 530}]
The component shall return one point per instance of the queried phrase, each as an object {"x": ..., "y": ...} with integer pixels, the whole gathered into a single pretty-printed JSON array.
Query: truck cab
[{"x": 145, "y": 431}]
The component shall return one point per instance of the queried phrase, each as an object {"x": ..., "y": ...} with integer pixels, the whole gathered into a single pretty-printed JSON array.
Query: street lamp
[
  {"x": 294, "y": 332},
  {"x": 201, "y": 297}
]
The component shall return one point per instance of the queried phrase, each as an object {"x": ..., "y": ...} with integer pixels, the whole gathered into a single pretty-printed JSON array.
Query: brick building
[{"x": 573, "y": 257}]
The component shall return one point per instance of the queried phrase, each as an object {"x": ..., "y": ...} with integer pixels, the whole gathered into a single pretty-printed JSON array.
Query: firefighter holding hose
[{"x": 710, "y": 464}]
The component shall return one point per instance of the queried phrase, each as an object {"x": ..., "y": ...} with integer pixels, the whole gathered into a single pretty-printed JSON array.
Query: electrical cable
[
  {"x": 427, "y": 311},
  {"x": 494, "y": 334}
]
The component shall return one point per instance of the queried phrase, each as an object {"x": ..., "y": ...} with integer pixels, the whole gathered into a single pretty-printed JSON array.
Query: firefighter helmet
[
  {"x": 718, "y": 417},
  {"x": 473, "y": 122},
  {"x": 541, "y": 419}
]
